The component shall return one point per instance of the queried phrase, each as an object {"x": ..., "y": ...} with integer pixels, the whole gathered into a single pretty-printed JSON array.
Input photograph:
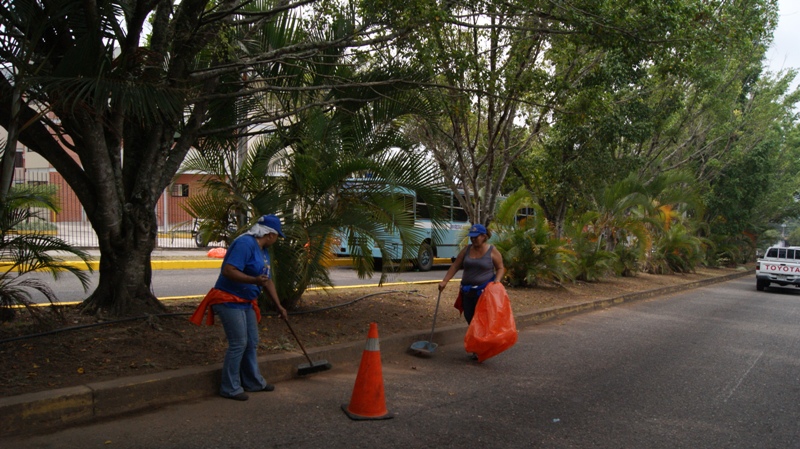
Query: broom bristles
[{"x": 320, "y": 365}]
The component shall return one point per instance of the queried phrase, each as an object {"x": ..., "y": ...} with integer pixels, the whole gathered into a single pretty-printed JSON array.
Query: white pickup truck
[{"x": 780, "y": 265}]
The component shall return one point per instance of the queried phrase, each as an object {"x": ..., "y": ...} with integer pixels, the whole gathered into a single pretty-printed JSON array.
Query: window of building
[{"x": 180, "y": 190}]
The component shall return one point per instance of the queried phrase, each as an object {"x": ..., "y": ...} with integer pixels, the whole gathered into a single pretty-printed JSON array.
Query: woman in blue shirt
[{"x": 246, "y": 269}]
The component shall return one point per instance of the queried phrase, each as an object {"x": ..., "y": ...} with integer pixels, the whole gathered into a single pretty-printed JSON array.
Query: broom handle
[
  {"x": 295, "y": 336},
  {"x": 434, "y": 315},
  {"x": 299, "y": 343}
]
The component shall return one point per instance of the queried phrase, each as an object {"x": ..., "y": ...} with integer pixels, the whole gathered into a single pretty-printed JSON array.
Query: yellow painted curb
[
  {"x": 93, "y": 264},
  {"x": 189, "y": 264},
  {"x": 31, "y": 232},
  {"x": 176, "y": 235}
]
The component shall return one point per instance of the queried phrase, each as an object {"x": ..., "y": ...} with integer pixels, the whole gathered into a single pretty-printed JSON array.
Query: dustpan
[{"x": 427, "y": 347}]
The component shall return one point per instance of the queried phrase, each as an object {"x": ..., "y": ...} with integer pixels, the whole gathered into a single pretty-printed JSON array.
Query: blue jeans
[
  {"x": 470, "y": 294},
  {"x": 240, "y": 368},
  {"x": 469, "y": 301}
]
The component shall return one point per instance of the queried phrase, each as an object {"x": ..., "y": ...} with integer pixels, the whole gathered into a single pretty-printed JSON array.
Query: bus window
[
  {"x": 408, "y": 203},
  {"x": 524, "y": 213},
  {"x": 460, "y": 215},
  {"x": 422, "y": 209}
]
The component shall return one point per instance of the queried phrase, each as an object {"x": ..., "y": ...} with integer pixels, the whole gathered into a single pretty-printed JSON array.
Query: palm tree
[
  {"x": 592, "y": 260},
  {"x": 531, "y": 252},
  {"x": 619, "y": 223},
  {"x": 671, "y": 217},
  {"x": 343, "y": 121},
  {"x": 29, "y": 252},
  {"x": 305, "y": 172}
]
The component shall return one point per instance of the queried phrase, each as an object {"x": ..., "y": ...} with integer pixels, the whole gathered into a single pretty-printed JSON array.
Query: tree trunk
[
  {"x": 124, "y": 288},
  {"x": 10, "y": 153}
]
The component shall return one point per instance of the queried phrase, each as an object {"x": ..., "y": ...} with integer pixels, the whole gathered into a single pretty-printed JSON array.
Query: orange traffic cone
[{"x": 368, "y": 401}]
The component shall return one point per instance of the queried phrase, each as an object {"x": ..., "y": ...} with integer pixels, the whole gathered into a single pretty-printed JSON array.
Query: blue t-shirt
[{"x": 246, "y": 255}]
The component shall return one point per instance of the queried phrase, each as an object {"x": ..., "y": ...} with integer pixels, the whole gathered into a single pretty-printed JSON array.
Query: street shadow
[{"x": 783, "y": 290}]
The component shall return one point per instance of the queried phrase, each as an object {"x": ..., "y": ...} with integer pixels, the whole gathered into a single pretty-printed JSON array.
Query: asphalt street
[
  {"x": 715, "y": 367},
  {"x": 197, "y": 282}
]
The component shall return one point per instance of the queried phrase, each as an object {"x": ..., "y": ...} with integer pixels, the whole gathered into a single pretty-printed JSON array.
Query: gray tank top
[{"x": 477, "y": 271}]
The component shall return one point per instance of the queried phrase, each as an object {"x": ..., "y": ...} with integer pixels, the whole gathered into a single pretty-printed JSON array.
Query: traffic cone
[{"x": 368, "y": 401}]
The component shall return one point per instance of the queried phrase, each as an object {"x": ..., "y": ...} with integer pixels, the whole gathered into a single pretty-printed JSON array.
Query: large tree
[
  {"x": 114, "y": 93},
  {"x": 585, "y": 91},
  {"x": 677, "y": 108}
]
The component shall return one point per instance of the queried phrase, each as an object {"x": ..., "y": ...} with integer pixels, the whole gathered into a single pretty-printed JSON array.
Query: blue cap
[
  {"x": 476, "y": 230},
  {"x": 271, "y": 221}
]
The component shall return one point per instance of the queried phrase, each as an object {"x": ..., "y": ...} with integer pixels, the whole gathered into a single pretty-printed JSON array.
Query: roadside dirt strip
[{"x": 49, "y": 410}]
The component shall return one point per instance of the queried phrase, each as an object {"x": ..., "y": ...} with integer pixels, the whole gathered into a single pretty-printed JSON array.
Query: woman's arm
[
  {"x": 454, "y": 267},
  {"x": 270, "y": 287},
  {"x": 236, "y": 275},
  {"x": 499, "y": 268}
]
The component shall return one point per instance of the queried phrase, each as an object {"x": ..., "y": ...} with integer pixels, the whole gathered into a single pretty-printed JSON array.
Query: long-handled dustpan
[
  {"x": 310, "y": 367},
  {"x": 427, "y": 347}
]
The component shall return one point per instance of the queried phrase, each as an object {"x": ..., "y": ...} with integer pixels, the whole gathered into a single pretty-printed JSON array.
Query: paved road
[
  {"x": 717, "y": 367},
  {"x": 197, "y": 282}
]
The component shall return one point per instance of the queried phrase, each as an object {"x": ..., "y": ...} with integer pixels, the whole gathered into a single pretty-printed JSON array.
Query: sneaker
[
  {"x": 238, "y": 397},
  {"x": 267, "y": 387}
]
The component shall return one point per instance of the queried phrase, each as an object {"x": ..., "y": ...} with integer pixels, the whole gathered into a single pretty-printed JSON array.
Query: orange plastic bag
[
  {"x": 217, "y": 253},
  {"x": 492, "y": 329}
]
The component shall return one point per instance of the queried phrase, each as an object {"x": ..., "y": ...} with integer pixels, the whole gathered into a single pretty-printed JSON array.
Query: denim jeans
[
  {"x": 240, "y": 368},
  {"x": 469, "y": 301}
]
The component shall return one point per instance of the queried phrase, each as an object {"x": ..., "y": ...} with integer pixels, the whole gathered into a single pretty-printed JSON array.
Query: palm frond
[
  {"x": 31, "y": 251},
  {"x": 148, "y": 103}
]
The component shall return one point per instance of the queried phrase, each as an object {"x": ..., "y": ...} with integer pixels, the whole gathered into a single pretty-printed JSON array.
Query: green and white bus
[{"x": 443, "y": 245}]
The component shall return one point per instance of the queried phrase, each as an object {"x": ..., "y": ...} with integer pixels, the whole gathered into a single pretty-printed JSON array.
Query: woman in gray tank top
[{"x": 482, "y": 263}]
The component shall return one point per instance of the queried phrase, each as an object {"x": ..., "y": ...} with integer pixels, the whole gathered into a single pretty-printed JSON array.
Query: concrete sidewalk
[{"x": 50, "y": 410}]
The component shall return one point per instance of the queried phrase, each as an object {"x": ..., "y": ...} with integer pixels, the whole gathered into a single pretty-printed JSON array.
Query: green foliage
[
  {"x": 729, "y": 251},
  {"x": 320, "y": 202},
  {"x": 592, "y": 261},
  {"x": 330, "y": 174},
  {"x": 222, "y": 204},
  {"x": 626, "y": 260},
  {"x": 768, "y": 238},
  {"x": 793, "y": 235},
  {"x": 570, "y": 97},
  {"x": 36, "y": 225},
  {"x": 677, "y": 250},
  {"x": 29, "y": 252},
  {"x": 531, "y": 254}
]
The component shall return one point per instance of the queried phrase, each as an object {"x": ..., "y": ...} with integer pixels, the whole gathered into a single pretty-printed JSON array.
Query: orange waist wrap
[{"x": 215, "y": 296}]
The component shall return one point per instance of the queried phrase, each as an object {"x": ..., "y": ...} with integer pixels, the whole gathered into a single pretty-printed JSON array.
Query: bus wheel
[
  {"x": 198, "y": 240},
  {"x": 424, "y": 258}
]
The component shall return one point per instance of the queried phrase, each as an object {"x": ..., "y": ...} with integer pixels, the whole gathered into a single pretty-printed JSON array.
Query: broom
[{"x": 310, "y": 367}]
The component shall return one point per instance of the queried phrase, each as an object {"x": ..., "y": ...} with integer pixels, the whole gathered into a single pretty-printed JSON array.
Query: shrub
[{"x": 530, "y": 253}]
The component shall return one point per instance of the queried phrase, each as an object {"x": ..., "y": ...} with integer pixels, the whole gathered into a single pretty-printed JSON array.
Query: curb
[{"x": 52, "y": 410}]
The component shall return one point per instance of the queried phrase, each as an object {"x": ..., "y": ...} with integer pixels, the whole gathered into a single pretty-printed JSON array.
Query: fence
[{"x": 175, "y": 225}]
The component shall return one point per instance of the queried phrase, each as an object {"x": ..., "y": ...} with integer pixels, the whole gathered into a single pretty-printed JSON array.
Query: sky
[{"x": 785, "y": 50}]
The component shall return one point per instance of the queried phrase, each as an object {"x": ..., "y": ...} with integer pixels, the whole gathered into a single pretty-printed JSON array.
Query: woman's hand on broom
[{"x": 282, "y": 312}]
